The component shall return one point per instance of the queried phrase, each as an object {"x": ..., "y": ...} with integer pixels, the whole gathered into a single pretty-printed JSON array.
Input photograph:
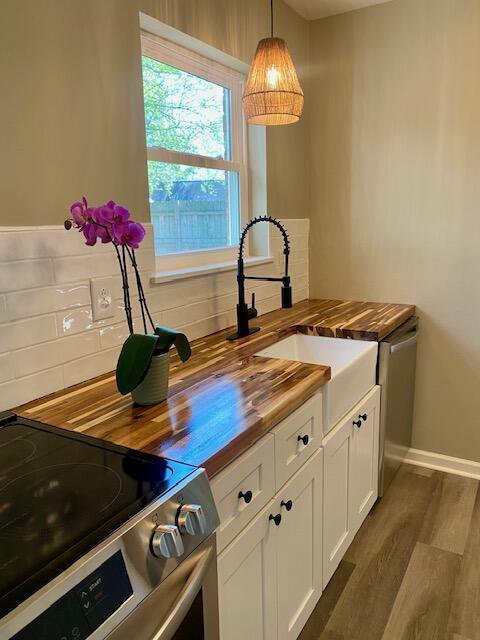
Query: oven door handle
[{"x": 185, "y": 598}]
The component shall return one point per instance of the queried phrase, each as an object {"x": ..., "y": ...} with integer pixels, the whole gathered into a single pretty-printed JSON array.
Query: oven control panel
[{"x": 77, "y": 614}]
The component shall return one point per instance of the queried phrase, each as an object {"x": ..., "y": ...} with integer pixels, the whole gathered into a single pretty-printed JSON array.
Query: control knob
[
  {"x": 191, "y": 519},
  {"x": 167, "y": 542}
]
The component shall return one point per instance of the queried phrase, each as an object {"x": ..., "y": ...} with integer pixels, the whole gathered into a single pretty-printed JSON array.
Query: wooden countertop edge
[
  {"x": 343, "y": 319},
  {"x": 243, "y": 441}
]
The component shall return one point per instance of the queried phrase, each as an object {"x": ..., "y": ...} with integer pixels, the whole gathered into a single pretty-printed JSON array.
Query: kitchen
[{"x": 341, "y": 458}]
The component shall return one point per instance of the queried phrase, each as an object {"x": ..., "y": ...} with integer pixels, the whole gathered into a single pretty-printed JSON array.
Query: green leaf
[
  {"x": 168, "y": 337},
  {"x": 134, "y": 360}
]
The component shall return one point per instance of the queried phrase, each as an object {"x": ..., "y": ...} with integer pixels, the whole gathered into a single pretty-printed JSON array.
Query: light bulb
[{"x": 272, "y": 77}]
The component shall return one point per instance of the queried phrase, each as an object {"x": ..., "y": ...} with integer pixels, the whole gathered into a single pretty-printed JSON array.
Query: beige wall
[
  {"x": 396, "y": 189},
  {"x": 71, "y": 116}
]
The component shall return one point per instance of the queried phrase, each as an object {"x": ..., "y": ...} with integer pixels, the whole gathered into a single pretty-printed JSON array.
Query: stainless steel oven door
[{"x": 184, "y": 606}]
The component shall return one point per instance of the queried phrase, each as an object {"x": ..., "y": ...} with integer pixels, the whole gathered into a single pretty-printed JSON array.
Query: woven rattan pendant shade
[{"x": 273, "y": 94}]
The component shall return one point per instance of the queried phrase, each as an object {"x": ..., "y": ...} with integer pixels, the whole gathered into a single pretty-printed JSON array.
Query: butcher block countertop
[{"x": 223, "y": 399}]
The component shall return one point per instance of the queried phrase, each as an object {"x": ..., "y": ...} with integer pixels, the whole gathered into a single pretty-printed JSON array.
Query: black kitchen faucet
[{"x": 244, "y": 312}]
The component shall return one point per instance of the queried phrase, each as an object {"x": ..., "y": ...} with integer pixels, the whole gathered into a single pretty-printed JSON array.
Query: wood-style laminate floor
[{"x": 413, "y": 570}]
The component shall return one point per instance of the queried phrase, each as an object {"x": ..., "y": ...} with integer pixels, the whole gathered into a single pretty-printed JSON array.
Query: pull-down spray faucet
[{"x": 245, "y": 313}]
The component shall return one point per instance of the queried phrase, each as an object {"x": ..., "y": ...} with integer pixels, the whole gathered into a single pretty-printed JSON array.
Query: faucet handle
[{"x": 252, "y": 312}]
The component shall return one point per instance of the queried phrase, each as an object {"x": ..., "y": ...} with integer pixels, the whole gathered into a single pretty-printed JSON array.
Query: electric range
[{"x": 88, "y": 530}]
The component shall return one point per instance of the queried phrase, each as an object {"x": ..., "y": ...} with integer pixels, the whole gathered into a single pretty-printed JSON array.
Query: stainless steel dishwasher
[{"x": 396, "y": 376}]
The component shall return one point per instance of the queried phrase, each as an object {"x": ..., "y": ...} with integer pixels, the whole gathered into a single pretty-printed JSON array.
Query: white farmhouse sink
[{"x": 353, "y": 365}]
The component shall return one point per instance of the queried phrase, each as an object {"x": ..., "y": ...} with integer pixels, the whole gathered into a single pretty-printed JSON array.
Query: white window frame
[{"x": 163, "y": 50}]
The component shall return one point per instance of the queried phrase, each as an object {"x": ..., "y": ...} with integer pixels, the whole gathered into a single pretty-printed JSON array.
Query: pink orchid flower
[
  {"x": 80, "y": 213},
  {"x": 111, "y": 213},
  {"x": 89, "y": 230},
  {"x": 129, "y": 233}
]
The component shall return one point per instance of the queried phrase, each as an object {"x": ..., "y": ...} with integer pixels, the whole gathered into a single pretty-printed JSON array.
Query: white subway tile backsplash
[
  {"x": 74, "y": 321},
  {"x": 25, "y": 274},
  {"x": 3, "y": 309},
  {"x": 39, "y": 243},
  {"x": 48, "y": 339},
  {"x": 24, "y": 333},
  {"x": 21, "y": 390},
  {"x": 7, "y": 371},
  {"x": 114, "y": 335},
  {"x": 37, "y": 358},
  {"x": 32, "y": 302},
  {"x": 77, "y": 268},
  {"x": 68, "y": 296},
  {"x": 90, "y": 366},
  {"x": 80, "y": 345}
]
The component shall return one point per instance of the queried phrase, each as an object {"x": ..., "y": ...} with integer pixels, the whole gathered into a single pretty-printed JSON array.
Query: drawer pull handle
[
  {"x": 357, "y": 423},
  {"x": 277, "y": 519},
  {"x": 303, "y": 439},
  {"x": 247, "y": 496},
  {"x": 363, "y": 416},
  {"x": 288, "y": 504}
]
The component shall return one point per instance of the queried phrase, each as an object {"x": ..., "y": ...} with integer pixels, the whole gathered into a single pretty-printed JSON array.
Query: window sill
[{"x": 203, "y": 270}]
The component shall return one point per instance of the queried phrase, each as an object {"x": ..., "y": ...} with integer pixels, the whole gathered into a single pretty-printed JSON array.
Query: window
[{"x": 195, "y": 134}]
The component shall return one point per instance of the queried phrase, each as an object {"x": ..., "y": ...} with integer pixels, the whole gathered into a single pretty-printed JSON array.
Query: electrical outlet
[{"x": 101, "y": 294}]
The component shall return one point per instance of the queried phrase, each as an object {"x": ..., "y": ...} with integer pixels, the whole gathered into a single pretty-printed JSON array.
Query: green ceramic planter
[{"x": 154, "y": 386}]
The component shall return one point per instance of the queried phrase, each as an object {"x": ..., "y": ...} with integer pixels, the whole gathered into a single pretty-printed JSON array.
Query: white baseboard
[{"x": 447, "y": 464}]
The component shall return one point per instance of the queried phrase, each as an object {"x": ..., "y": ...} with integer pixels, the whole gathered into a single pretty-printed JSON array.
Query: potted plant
[{"x": 143, "y": 364}]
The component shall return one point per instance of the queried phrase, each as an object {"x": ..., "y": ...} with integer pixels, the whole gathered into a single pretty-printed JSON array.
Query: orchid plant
[{"x": 111, "y": 223}]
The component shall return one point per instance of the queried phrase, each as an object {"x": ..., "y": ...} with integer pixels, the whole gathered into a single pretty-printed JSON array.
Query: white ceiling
[{"x": 313, "y": 9}]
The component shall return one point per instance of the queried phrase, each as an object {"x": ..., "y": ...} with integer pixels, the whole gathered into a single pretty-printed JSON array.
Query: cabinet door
[
  {"x": 337, "y": 525},
  {"x": 299, "y": 548},
  {"x": 247, "y": 582},
  {"x": 243, "y": 489},
  {"x": 364, "y": 458}
]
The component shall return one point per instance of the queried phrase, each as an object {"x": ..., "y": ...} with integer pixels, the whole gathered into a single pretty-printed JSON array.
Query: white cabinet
[
  {"x": 289, "y": 509},
  {"x": 297, "y": 438},
  {"x": 243, "y": 488},
  {"x": 337, "y": 526},
  {"x": 364, "y": 458},
  {"x": 350, "y": 478},
  {"x": 270, "y": 576},
  {"x": 247, "y": 582},
  {"x": 299, "y": 548}
]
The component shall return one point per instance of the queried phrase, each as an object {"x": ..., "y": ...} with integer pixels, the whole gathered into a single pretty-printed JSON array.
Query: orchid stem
[
  {"x": 141, "y": 293},
  {"x": 124, "y": 287},
  {"x": 128, "y": 308}
]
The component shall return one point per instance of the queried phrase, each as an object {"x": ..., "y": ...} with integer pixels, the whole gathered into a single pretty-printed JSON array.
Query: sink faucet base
[{"x": 236, "y": 335}]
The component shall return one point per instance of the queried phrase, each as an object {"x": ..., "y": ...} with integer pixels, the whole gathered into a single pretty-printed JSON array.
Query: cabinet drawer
[
  {"x": 253, "y": 476},
  {"x": 297, "y": 438}
]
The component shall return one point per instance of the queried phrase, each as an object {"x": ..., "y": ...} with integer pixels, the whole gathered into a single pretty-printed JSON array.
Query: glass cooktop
[{"x": 62, "y": 493}]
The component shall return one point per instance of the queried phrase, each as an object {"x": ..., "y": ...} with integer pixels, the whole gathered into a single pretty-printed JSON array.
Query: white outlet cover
[{"x": 101, "y": 295}]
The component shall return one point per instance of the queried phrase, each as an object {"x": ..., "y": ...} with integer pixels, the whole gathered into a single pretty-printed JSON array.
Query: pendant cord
[{"x": 271, "y": 18}]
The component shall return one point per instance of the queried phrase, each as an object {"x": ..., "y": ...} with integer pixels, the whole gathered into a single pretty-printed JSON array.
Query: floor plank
[
  {"x": 319, "y": 618},
  {"x": 447, "y": 520},
  {"x": 381, "y": 552},
  {"x": 404, "y": 576},
  {"x": 421, "y": 608},
  {"x": 465, "y": 610}
]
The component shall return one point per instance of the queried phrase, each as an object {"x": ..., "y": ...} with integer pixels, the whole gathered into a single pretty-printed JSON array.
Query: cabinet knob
[
  {"x": 247, "y": 496},
  {"x": 288, "y": 504},
  {"x": 363, "y": 416},
  {"x": 277, "y": 518},
  {"x": 357, "y": 423},
  {"x": 304, "y": 439}
]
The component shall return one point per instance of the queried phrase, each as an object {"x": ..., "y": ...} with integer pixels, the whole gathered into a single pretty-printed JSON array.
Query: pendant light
[{"x": 273, "y": 94}]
